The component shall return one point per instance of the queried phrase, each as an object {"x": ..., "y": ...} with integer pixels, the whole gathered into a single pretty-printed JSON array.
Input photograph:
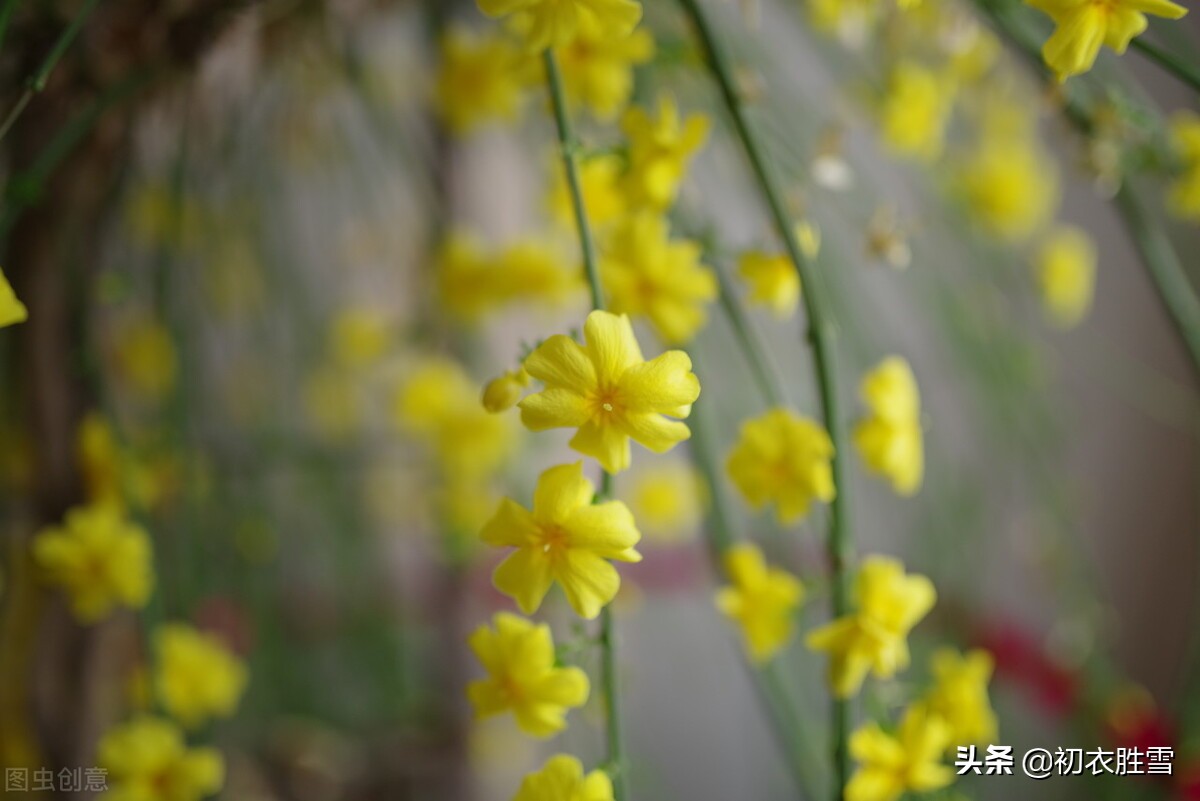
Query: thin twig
[
  {"x": 820, "y": 337},
  {"x": 608, "y": 645},
  {"x": 38, "y": 82}
]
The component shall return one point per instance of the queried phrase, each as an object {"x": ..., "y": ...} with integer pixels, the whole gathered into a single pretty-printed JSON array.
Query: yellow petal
[
  {"x": 606, "y": 529},
  {"x": 654, "y": 431},
  {"x": 605, "y": 443},
  {"x": 560, "y": 491},
  {"x": 525, "y": 577},
  {"x": 665, "y": 384},
  {"x": 11, "y": 310},
  {"x": 554, "y": 408},
  {"x": 611, "y": 345},
  {"x": 561, "y": 362},
  {"x": 511, "y": 525},
  {"x": 589, "y": 582}
]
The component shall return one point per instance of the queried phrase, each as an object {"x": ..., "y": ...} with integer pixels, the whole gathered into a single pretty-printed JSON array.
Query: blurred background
[{"x": 238, "y": 228}]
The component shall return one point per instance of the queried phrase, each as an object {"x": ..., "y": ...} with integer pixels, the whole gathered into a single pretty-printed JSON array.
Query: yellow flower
[
  {"x": 597, "y": 70},
  {"x": 1084, "y": 25},
  {"x": 553, "y": 23},
  {"x": 600, "y": 183},
  {"x": 472, "y": 283},
  {"x": 148, "y": 760},
  {"x": 438, "y": 403},
  {"x": 146, "y": 358},
  {"x": 198, "y": 677},
  {"x": 659, "y": 152},
  {"x": 12, "y": 311},
  {"x": 1066, "y": 275},
  {"x": 889, "y": 439},
  {"x": 99, "y": 558},
  {"x": 784, "y": 459},
  {"x": 562, "y": 779},
  {"x": 608, "y": 391},
  {"x": 566, "y": 538},
  {"x": 1183, "y": 198},
  {"x": 647, "y": 274},
  {"x": 915, "y": 111},
  {"x": 1008, "y": 186},
  {"x": 99, "y": 460},
  {"x": 359, "y": 337},
  {"x": 480, "y": 78},
  {"x": 874, "y": 636},
  {"x": 773, "y": 281},
  {"x": 503, "y": 392},
  {"x": 762, "y": 600},
  {"x": 960, "y": 696},
  {"x": 667, "y": 499},
  {"x": 849, "y": 20},
  {"x": 522, "y": 678},
  {"x": 894, "y": 764}
]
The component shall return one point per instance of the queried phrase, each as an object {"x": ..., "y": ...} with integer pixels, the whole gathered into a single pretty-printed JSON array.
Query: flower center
[
  {"x": 554, "y": 541},
  {"x": 607, "y": 403}
]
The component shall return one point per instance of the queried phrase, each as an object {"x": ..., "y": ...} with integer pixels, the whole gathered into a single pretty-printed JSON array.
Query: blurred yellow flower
[
  {"x": 198, "y": 677},
  {"x": 603, "y": 196},
  {"x": 667, "y": 499},
  {"x": 1009, "y": 187},
  {"x": 1084, "y": 25},
  {"x": 439, "y": 403},
  {"x": 608, "y": 391},
  {"x": 960, "y": 696},
  {"x": 889, "y": 439},
  {"x": 772, "y": 277},
  {"x": 874, "y": 636},
  {"x": 660, "y": 149},
  {"x": 99, "y": 460},
  {"x": 503, "y": 391},
  {"x": 645, "y": 273},
  {"x": 894, "y": 764},
  {"x": 1183, "y": 197},
  {"x": 783, "y": 458},
  {"x": 522, "y": 677},
  {"x": 101, "y": 559},
  {"x": 481, "y": 77},
  {"x": 915, "y": 110},
  {"x": 553, "y": 23},
  {"x": 158, "y": 216},
  {"x": 146, "y": 358},
  {"x": 762, "y": 600},
  {"x": 472, "y": 283},
  {"x": 1066, "y": 275},
  {"x": 359, "y": 337},
  {"x": 562, "y": 779},
  {"x": 566, "y": 538},
  {"x": 597, "y": 70},
  {"x": 148, "y": 760},
  {"x": 12, "y": 311},
  {"x": 849, "y": 20}
]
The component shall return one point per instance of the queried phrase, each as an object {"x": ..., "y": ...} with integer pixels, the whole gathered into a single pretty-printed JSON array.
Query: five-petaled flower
[
  {"x": 562, "y": 779},
  {"x": 1084, "y": 25},
  {"x": 959, "y": 695},
  {"x": 566, "y": 538},
  {"x": 522, "y": 677},
  {"x": 762, "y": 600},
  {"x": 553, "y": 23},
  {"x": 873, "y": 637},
  {"x": 608, "y": 391},
  {"x": 198, "y": 677},
  {"x": 908, "y": 760},
  {"x": 889, "y": 438},
  {"x": 784, "y": 459}
]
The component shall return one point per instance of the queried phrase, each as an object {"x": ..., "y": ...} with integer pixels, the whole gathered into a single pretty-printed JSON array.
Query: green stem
[
  {"x": 768, "y": 684},
  {"x": 751, "y": 343},
  {"x": 608, "y": 641},
  {"x": 569, "y": 146},
  {"x": 25, "y": 188},
  {"x": 38, "y": 81},
  {"x": 1184, "y": 71},
  {"x": 1174, "y": 289},
  {"x": 820, "y": 336}
]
